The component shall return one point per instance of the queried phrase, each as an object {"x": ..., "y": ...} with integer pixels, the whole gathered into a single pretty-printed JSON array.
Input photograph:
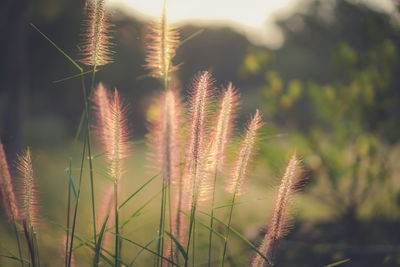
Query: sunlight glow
[{"x": 254, "y": 18}]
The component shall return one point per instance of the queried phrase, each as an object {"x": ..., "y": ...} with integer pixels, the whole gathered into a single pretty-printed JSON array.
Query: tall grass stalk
[
  {"x": 113, "y": 135},
  {"x": 241, "y": 166},
  {"x": 76, "y": 204},
  {"x": 8, "y": 197},
  {"x": 194, "y": 162},
  {"x": 163, "y": 40},
  {"x": 68, "y": 212},
  {"x": 279, "y": 220},
  {"x": 223, "y": 131},
  {"x": 96, "y": 50},
  {"x": 28, "y": 197},
  {"x": 29, "y": 242}
]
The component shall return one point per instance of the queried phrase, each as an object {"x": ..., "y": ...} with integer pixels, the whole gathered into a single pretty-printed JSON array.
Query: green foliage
[{"x": 344, "y": 127}]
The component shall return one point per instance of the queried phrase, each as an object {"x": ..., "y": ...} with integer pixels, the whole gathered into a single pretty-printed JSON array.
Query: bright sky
[{"x": 251, "y": 17}]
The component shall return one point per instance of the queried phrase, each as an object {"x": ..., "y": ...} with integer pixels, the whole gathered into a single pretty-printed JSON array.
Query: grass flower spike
[
  {"x": 223, "y": 128},
  {"x": 28, "y": 195},
  {"x": 245, "y": 153},
  {"x": 279, "y": 221},
  {"x": 114, "y": 136},
  {"x": 195, "y": 153},
  {"x": 163, "y": 40},
  {"x": 222, "y": 132},
  {"x": 6, "y": 187},
  {"x": 112, "y": 129},
  {"x": 96, "y": 47},
  {"x": 241, "y": 166},
  {"x": 165, "y": 137}
]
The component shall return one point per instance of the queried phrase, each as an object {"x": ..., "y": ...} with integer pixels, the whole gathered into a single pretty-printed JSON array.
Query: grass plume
[
  {"x": 28, "y": 194},
  {"x": 114, "y": 138},
  {"x": 9, "y": 201},
  {"x": 112, "y": 129},
  {"x": 96, "y": 48},
  {"x": 239, "y": 174},
  {"x": 222, "y": 133},
  {"x": 194, "y": 162},
  {"x": 279, "y": 221},
  {"x": 162, "y": 42}
]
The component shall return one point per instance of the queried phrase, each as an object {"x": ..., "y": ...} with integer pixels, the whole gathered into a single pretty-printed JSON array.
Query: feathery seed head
[
  {"x": 278, "y": 225},
  {"x": 279, "y": 221},
  {"x": 164, "y": 135},
  {"x": 6, "y": 187},
  {"x": 223, "y": 127},
  {"x": 28, "y": 193},
  {"x": 195, "y": 154},
  {"x": 162, "y": 42},
  {"x": 96, "y": 48},
  {"x": 113, "y": 130},
  {"x": 246, "y": 152}
]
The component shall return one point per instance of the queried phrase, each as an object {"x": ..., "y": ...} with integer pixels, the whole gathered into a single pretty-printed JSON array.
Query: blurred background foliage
[{"x": 330, "y": 92}]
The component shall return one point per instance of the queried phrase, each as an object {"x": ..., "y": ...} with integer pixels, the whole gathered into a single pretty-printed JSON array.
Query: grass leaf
[
  {"x": 244, "y": 239},
  {"x": 141, "y": 250},
  {"x": 205, "y": 226},
  {"x": 14, "y": 258},
  {"x": 137, "y": 191},
  {"x": 72, "y": 184},
  {"x": 58, "y": 48},
  {"x": 149, "y": 250},
  {"x": 181, "y": 249},
  {"x": 74, "y": 76},
  {"x": 337, "y": 263},
  {"x": 98, "y": 245}
]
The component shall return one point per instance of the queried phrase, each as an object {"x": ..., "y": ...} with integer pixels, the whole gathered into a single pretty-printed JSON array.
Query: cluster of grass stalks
[{"x": 189, "y": 145}]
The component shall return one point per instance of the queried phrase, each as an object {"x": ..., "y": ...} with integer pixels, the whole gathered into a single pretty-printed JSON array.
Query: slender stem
[
  {"x": 192, "y": 214},
  {"x": 86, "y": 101},
  {"x": 36, "y": 244},
  {"x": 211, "y": 220},
  {"x": 160, "y": 244},
  {"x": 116, "y": 210},
  {"x": 170, "y": 221},
  {"x": 68, "y": 213},
  {"x": 29, "y": 242},
  {"x": 229, "y": 229},
  {"x": 194, "y": 238},
  {"x": 18, "y": 242},
  {"x": 76, "y": 205}
]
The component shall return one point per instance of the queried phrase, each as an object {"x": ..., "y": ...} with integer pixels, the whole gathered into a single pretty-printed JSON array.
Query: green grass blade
[
  {"x": 180, "y": 247},
  {"x": 72, "y": 184},
  {"x": 98, "y": 155},
  {"x": 149, "y": 250},
  {"x": 337, "y": 263},
  {"x": 190, "y": 37},
  {"x": 135, "y": 214},
  {"x": 14, "y": 258},
  {"x": 205, "y": 226},
  {"x": 78, "y": 131},
  {"x": 58, "y": 48},
  {"x": 137, "y": 191},
  {"x": 141, "y": 250},
  {"x": 244, "y": 239},
  {"x": 139, "y": 210},
  {"x": 74, "y": 76},
  {"x": 228, "y": 205},
  {"x": 98, "y": 245},
  {"x": 90, "y": 245}
]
